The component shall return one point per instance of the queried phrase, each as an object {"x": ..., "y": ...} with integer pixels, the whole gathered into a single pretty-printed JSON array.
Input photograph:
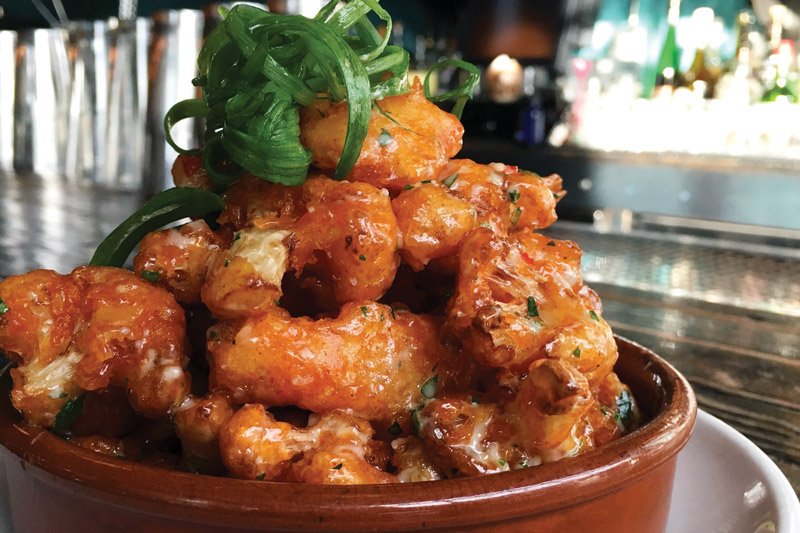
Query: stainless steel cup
[
  {"x": 41, "y": 96},
  {"x": 176, "y": 40},
  {"x": 8, "y": 45}
]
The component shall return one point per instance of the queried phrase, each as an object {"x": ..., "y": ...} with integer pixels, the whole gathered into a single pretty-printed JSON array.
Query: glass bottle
[
  {"x": 668, "y": 68},
  {"x": 740, "y": 85},
  {"x": 701, "y": 78},
  {"x": 629, "y": 53},
  {"x": 781, "y": 89}
]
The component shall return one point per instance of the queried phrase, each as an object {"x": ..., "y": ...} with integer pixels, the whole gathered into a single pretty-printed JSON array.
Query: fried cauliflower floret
[
  {"x": 520, "y": 298},
  {"x": 409, "y": 139},
  {"x": 178, "y": 259},
  {"x": 371, "y": 359},
  {"x": 188, "y": 171},
  {"x": 198, "y": 423},
  {"x": 503, "y": 196},
  {"x": 245, "y": 279},
  {"x": 553, "y": 414},
  {"x": 464, "y": 436},
  {"x": 335, "y": 448},
  {"x": 346, "y": 244},
  {"x": 614, "y": 411},
  {"x": 549, "y": 411},
  {"x": 433, "y": 223},
  {"x": 123, "y": 332},
  {"x": 260, "y": 203},
  {"x": 413, "y": 462},
  {"x": 42, "y": 315}
]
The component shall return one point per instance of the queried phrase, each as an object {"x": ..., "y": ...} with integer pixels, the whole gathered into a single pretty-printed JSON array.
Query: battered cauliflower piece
[
  {"x": 433, "y": 223},
  {"x": 614, "y": 411},
  {"x": 252, "y": 201},
  {"x": 198, "y": 423},
  {"x": 553, "y": 414},
  {"x": 336, "y": 448},
  {"x": 178, "y": 259},
  {"x": 413, "y": 462},
  {"x": 467, "y": 437},
  {"x": 520, "y": 298},
  {"x": 503, "y": 196},
  {"x": 346, "y": 244},
  {"x": 409, "y": 139},
  {"x": 245, "y": 279},
  {"x": 189, "y": 171},
  {"x": 97, "y": 327},
  {"x": 549, "y": 410},
  {"x": 371, "y": 359}
]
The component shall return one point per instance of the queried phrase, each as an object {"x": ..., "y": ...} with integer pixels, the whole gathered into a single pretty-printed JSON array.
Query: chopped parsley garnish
[
  {"x": 337, "y": 467},
  {"x": 428, "y": 388},
  {"x": 426, "y": 181},
  {"x": 385, "y": 138},
  {"x": 533, "y": 311},
  {"x": 69, "y": 413},
  {"x": 556, "y": 196},
  {"x": 577, "y": 351},
  {"x": 362, "y": 257},
  {"x": 485, "y": 225},
  {"x": 415, "y": 420},
  {"x": 395, "y": 429},
  {"x": 515, "y": 215},
  {"x": 3, "y": 308},
  {"x": 523, "y": 463},
  {"x": 501, "y": 462},
  {"x": 261, "y": 476},
  {"x": 475, "y": 401},
  {"x": 513, "y": 195},
  {"x": 151, "y": 275},
  {"x": 594, "y": 316},
  {"x": 364, "y": 310},
  {"x": 624, "y": 408},
  {"x": 551, "y": 243},
  {"x": 227, "y": 262},
  {"x": 407, "y": 187},
  {"x": 450, "y": 180},
  {"x": 237, "y": 236}
]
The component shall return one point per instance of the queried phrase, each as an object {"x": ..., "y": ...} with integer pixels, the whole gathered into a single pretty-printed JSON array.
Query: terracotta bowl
[{"x": 624, "y": 486}]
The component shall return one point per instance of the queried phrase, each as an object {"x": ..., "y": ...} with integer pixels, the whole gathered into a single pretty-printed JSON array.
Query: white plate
[{"x": 724, "y": 484}]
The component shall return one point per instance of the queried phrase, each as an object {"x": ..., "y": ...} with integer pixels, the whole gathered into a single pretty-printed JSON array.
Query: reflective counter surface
[{"x": 726, "y": 314}]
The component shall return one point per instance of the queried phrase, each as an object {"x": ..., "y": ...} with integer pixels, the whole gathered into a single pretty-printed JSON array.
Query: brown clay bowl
[{"x": 623, "y": 486}]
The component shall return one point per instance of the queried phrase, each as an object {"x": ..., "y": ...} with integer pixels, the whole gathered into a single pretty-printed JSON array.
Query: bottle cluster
[{"x": 690, "y": 97}]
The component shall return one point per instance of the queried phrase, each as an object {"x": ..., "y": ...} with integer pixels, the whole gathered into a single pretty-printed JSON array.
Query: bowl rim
[{"x": 564, "y": 483}]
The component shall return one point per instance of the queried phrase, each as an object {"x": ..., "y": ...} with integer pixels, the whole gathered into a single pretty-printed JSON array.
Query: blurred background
[{"x": 674, "y": 123}]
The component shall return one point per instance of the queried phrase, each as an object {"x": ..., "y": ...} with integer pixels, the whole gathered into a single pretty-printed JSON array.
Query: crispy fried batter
[
  {"x": 346, "y": 244},
  {"x": 334, "y": 449},
  {"x": 370, "y": 359},
  {"x": 519, "y": 298},
  {"x": 433, "y": 223},
  {"x": 409, "y": 139},
  {"x": 117, "y": 330},
  {"x": 178, "y": 258}
]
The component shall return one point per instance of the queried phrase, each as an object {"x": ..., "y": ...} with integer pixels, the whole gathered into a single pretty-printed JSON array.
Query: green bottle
[
  {"x": 781, "y": 89},
  {"x": 668, "y": 68}
]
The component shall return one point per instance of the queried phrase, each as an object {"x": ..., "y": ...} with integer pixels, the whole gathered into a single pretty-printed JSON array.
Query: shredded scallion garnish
[{"x": 257, "y": 68}]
